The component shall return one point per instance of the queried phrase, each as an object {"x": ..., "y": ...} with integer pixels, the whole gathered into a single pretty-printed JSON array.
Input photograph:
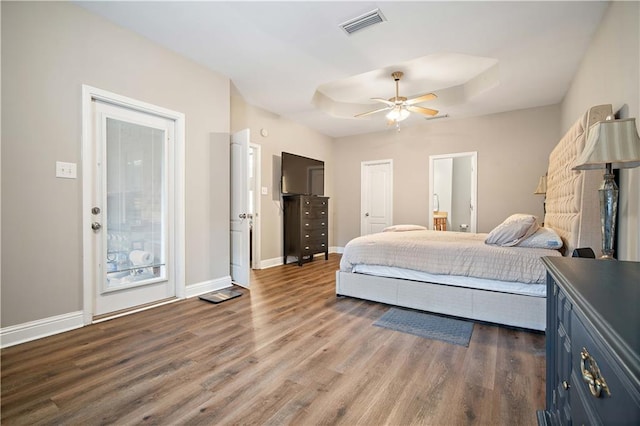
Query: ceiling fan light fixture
[{"x": 397, "y": 114}]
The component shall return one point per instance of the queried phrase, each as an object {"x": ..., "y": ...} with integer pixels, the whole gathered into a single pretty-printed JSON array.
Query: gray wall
[
  {"x": 49, "y": 50},
  {"x": 513, "y": 150},
  {"x": 610, "y": 74}
]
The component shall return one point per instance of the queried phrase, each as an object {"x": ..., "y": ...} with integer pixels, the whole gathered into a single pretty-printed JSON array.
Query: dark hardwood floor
[{"x": 287, "y": 352}]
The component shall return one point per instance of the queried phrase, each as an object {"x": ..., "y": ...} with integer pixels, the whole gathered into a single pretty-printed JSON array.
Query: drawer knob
[
  {"x": 591, "y": 374},
  {"x": 565, "y": 385}
]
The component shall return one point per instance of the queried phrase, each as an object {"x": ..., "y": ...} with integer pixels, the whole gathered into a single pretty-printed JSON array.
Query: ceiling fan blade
[
  {"x": 384, "y": 101},
  {"x": 364, "y": 114},
  {"x": 421, "y": 110},
  {"x": 421, "y": 98}
]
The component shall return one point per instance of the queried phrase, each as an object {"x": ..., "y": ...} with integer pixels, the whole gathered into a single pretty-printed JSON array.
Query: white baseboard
[
  {"x": 270, "y": 263},
  {"x": 21, "y": 333},
  {"x": 277, "y": 261},
  {"x": 197, "y": 289}
]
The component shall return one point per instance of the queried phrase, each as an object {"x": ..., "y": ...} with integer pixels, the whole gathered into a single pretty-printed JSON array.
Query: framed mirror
[{"x": 453, "y": 188}]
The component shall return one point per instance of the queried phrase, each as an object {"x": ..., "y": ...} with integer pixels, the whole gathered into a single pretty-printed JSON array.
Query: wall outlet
[{"x": 66, "y": 170}]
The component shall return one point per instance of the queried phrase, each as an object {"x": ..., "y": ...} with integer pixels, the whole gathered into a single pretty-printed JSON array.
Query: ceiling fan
[{"x": 400, "y": 107}]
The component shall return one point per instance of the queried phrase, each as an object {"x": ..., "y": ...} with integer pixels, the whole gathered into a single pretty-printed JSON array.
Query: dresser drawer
[
  {"x": 622, "y": 404},
  {"x": 313, "y": 213},
  {"x": 315, "y": 202},
  {"x": 313, "y": 224},
  {"x": 314, "y": 247},
  {"x": 318, "y": 235}
]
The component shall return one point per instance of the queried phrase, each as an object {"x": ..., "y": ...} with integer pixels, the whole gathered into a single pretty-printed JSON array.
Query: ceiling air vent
[{"x": 363, "y": 21}]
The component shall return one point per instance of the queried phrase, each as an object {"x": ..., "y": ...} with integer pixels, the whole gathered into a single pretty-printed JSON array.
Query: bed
[{"x": 390, "y": 270}]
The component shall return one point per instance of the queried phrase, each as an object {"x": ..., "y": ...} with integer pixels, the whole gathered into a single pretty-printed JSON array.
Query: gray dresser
[{"x": 593, "y": 342}]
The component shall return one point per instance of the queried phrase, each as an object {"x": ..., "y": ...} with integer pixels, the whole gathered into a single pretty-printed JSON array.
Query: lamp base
[{"x": 608, "y": 210}]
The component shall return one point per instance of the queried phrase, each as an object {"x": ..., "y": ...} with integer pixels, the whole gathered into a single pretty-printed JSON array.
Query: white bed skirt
[{"x": 515, "y": 310}]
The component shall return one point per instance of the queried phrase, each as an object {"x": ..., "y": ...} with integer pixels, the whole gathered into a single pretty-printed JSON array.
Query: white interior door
[
  {"x": 376, "y": 201},
  {"x": 239, "y": 216},
  {"x": 132, "y": 213}
]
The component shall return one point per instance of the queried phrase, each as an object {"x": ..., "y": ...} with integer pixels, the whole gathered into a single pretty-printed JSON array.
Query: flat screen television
[{"x": 301, "y": 175}]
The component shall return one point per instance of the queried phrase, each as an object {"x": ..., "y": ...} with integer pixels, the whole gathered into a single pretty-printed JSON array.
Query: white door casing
[
  {"x": 239, "y": 221},
  {"x": 256, "y": 186},
  {"x": 376, "y": 200},
  {"x": 104, "y": 295}
]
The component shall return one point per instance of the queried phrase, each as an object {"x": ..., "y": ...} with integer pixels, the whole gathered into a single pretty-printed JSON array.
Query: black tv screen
[{"x": 301, "y": 175}]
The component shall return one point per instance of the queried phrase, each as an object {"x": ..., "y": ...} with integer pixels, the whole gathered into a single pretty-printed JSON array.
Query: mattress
[
  {"x": 447, "y": 253},
  {"x": 535, "y": 290}
]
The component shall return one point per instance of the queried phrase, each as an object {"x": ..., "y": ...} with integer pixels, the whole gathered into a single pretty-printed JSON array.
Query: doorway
[
  {"x": 453, "y": 190},
  {"x": 133, "y": 186},
  {"x": 255, "y": 191}
]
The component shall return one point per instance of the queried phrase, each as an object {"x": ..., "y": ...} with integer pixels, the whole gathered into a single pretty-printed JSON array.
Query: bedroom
[{"x": 51, "y": 99}]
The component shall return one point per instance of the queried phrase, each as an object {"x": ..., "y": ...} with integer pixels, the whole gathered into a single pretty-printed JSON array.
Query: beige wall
[
  {"x": 283, "y": 135},
  {"x": 513, "y": 150},
  {"x": 49, "y": 50},
  {"x": 610, "y": 74}
]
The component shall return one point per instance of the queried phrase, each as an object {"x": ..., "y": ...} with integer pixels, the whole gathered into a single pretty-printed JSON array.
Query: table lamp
[{"x": 611, "y": 144}]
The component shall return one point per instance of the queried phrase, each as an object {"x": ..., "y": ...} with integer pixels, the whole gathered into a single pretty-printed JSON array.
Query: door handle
[
  {"x": 96, "y": 226},
  {"x": 366, "y": 215}
]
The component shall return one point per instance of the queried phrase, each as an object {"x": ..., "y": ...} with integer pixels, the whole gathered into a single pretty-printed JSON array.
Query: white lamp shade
[
  {"x": 542, "y": 186},
  {"x": 614, "y": 142}
]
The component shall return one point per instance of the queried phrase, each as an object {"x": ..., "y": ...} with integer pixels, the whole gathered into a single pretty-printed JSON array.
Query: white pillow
[
  {"x": 514, "y": 229},
  {"x": 401, "y": 228},
  {"x": 543, "y": 238}
]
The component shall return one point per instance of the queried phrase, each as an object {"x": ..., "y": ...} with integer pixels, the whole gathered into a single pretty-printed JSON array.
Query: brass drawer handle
[{"x": 591, "y": 374}]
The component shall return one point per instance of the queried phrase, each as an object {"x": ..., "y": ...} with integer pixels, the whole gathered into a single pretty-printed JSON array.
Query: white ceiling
[{"x": 293, "y": 59}]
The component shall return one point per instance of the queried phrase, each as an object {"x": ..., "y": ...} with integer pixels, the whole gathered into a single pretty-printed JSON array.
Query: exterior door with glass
[{"x": 133, "y": 208}]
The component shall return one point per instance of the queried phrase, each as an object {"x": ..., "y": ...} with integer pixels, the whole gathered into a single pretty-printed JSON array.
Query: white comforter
[{"x": 450, "y": 253}]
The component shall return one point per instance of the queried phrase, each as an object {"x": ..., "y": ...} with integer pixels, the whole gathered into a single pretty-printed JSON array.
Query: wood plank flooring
[{"x": 287, "y": 352}]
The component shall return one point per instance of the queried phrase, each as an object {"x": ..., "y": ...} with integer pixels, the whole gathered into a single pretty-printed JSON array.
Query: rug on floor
[{"x": 430, "y": 326}]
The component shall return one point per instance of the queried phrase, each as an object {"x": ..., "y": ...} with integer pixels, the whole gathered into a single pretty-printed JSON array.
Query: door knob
[
  {"x": 96, "y": 226},
  {"x": 95, "y": 210},
  {"x": 366, "y": 214}
]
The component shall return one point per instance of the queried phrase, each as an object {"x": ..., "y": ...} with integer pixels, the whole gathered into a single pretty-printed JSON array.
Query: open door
[{"x": 239, "y": 218}]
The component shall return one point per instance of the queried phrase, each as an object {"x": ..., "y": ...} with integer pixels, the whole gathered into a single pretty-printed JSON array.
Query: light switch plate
[
  {"x": 66, "y": 170},
  {"x": 265, "y": 190}
]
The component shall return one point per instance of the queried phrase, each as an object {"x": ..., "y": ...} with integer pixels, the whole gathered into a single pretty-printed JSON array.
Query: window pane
[{"x": 136, "y": 200}]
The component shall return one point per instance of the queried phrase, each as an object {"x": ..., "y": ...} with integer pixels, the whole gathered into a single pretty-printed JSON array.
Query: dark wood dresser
[
  {"x": 306, "y": 227},
  {"x": 593, "y": 342}
]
